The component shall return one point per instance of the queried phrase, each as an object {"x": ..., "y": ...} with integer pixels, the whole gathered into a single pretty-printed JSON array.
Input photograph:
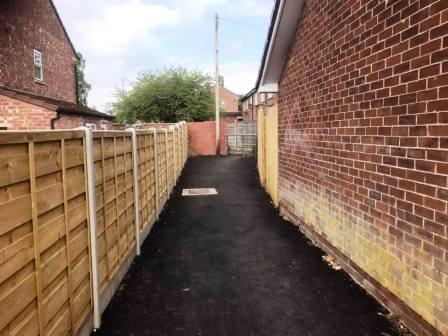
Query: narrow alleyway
[{"x": 229, "y": 265}]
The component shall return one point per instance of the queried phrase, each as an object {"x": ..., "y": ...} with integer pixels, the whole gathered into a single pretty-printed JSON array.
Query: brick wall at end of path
[
  {"x": 201, "y": 138},
  {"x": 363, "y": 145}
]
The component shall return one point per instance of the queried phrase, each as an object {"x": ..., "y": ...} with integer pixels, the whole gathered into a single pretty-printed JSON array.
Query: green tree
[
  {"x": 169, "y": 95},
  {"x": 83, "y": 87}
]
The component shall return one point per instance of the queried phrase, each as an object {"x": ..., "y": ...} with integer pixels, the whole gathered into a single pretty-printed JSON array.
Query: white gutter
[
  {"x": 273, "y": 37},
  {"x": 283, "y": 32}
]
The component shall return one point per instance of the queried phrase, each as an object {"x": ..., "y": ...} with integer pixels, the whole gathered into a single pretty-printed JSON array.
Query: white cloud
[
  {"x": 109, "y": 29},
  {"x": 239, "y": 77},
  {"x": 120, "y": 38},
  {"x": 111, "y": 34},
  {"x": 193, "y": 10}
]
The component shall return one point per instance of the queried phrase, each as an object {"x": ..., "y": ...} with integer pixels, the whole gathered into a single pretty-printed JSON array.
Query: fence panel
[
  {"x": 115, "y": 202},
  {"x": 146, "y": 177},
  {"x": 185, "y": 141},
  {"x": 179, "y": 150},
  {"x": 47, "y": 253},
  {"x": 268, "y": 150},
  {"x": 271, "y": 143},
  {"x": 261, "y": 146},
  {"x": 242, "y": 138},
  {"x": 45, "y": 281},
  {"x": 163, "y": 164},
  {"x": 170, "y": 157}
]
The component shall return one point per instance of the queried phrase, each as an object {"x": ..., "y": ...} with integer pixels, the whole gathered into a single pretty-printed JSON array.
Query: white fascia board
[
  {"x": 268, "y": 88},
  {"x": 285, "y": 28},
  {"x": 272, "y": 41}
]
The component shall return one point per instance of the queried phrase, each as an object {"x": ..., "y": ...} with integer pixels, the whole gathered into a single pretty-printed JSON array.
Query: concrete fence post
[
  {"x": 91, "y": 200},
  {"x": 135, "y": 169},
  {"x": 156, "y": 172}
]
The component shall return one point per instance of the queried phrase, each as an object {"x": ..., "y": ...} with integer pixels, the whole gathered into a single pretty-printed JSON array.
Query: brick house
[
  {"x": 253, "y": 100},
  {"x": 38, "y": 88},
  {"x": 363, "y": 142},
  {"x": 232, "y": 116},
  {"x": 228, "y": 100}
]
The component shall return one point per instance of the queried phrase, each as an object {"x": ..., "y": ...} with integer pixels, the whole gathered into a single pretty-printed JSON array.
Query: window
[
  {"x": 91, "y": 126},
  {"x": 38, "y": 68},
  {"x": 3, "y": 128},
  {"x": 104, "y": 125}
]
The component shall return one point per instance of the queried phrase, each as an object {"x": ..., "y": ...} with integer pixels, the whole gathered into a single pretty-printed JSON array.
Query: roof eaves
[
  {"x": 52, "y": 104},
  {"x": 268, "y": 42},
  {"x": 94, "y": 114},
  {"x": 285, "y": 17},
  {"x": 250, "y": 93}
]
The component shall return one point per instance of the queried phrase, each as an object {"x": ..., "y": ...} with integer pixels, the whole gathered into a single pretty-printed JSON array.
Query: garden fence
[{"x": 75, "y": 207}]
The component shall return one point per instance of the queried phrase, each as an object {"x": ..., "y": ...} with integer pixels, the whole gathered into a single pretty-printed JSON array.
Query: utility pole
[{"x": 217, "y": 103}]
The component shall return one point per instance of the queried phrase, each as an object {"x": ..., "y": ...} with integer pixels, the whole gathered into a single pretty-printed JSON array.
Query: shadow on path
[{"x": 229, "y": 265}]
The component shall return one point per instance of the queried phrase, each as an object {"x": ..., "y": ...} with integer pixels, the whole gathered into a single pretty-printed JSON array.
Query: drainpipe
[
  {"x": 55, "y": 119},
  {"x": 75, "y": 67}
]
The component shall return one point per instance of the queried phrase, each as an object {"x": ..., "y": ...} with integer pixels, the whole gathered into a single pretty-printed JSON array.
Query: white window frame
[
  {"x": 104, "y": 125},
  {"x": 92, "y": 126},
  {"x": 37, "y": 58}
]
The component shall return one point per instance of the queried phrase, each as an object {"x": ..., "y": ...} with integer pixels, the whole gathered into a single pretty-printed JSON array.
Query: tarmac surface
[{"x": 230, "y": 265}]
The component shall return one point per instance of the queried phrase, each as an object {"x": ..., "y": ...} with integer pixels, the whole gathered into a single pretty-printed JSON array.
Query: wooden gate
[{"x": 242, "y": 138}]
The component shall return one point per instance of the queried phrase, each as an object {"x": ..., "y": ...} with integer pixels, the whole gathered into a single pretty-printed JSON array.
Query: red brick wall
[
  {"x": 17, "y": 115},
  {"x": 74, "y": 121},
  {"x": 363, "y": 144},
  {"x": 229, "y": 98},
  {"x": 202, "y": 135},
  {"x": 27, "y": 25}
]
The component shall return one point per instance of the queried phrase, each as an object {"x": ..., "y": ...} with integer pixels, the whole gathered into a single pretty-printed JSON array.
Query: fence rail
[{"x": 75, "y": 207}]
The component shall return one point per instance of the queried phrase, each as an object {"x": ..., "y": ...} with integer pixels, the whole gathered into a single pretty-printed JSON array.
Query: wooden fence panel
[
  {"x": 268, "y": 150},
  {"x": 45, "y": 280},
  {"x": 146, "y": 177},
  {"x": 115, "y": 202},
  {"x": 46, "y": 263},
  {"x": 179, "y": 148},
  {"x": 170, "y": 150},
  {"x": 185, "y": 142},
  {"x": 162, "y": 155}
]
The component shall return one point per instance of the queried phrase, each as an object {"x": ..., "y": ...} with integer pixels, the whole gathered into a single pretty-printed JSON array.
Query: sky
[{"x": 121, "y": 38}]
